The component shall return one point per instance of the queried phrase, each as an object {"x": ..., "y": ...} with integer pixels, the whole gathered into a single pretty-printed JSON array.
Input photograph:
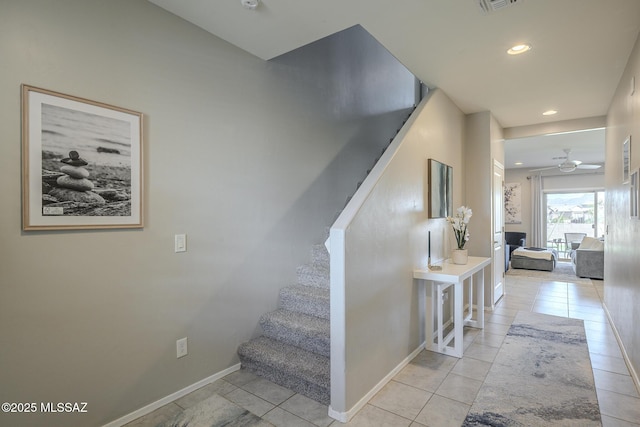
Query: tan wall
[
  {"x": 386, "y": 240},
  {"x": 484, "y": 143},
  {"x": 622, "y": 251},
  {"x": 250, "y": 159}
]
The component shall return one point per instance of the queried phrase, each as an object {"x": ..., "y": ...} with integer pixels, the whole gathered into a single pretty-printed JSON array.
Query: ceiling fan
[{"x": 568, "y": 165}]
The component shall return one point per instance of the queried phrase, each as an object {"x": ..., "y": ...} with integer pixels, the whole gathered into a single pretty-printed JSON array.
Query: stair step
[
  {"x": 313, "y": 275},
  {"x": 301, "y": 330},
  {"x": 299, "y": 370},
  {"x": 309, "y": 300},
  {"x": 320, "y": 255}
]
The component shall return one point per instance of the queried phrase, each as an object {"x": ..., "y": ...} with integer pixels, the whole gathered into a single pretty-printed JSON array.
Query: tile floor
[{"x": 438, "y": 390}]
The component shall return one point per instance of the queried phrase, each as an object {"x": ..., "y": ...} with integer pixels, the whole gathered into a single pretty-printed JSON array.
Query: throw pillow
[{"x": 591, "y": 243}]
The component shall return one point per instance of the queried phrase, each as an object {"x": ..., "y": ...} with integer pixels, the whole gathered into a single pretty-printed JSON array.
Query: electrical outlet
[{"x": 181, "y": 347}]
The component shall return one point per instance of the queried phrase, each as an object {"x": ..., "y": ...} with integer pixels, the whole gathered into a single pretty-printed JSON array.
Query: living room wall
[
  {"x": 561, "y": 183},
  {"x": 251, "y": 159}
]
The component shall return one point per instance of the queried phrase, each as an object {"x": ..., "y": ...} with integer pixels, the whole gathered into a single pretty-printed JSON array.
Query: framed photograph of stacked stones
[{"x": 81, "y": 163}]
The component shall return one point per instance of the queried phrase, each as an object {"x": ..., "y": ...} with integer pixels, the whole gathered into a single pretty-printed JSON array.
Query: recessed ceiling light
[
  {"x": 518, "y": 163},
  {"x": 550, "y": 113},
  {"x": 519, "y": 48}
]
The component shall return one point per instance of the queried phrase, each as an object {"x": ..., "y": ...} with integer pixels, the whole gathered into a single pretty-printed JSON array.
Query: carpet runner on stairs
[{"x": 295, "y": 347}]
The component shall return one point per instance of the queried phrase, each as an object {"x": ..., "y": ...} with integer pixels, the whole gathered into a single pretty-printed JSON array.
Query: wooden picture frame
[
  {"x": 440, "y": 189},
  {"x": 82, "y": 163}
]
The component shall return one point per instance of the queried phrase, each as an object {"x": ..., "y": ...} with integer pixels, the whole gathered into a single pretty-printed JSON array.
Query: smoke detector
[
  {"x": 250, "y": 4},
  {"x": 493, "y": 5}
]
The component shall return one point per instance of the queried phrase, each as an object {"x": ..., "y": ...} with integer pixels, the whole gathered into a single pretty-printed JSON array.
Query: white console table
[{"x": 452, "y": 275}]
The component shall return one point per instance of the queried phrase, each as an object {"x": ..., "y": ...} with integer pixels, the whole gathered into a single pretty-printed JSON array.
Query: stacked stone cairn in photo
[{"x": 72, "y": 184}]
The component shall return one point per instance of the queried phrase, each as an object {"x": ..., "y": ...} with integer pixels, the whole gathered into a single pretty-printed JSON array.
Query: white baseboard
[
  {"x": 170, "y": 398},
  {"x": 625, "y": 356},
  {"x": 344, "y": 417}
]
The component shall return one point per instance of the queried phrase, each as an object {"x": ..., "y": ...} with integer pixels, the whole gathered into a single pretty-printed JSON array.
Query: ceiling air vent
[{"x": 493, "y": 5}]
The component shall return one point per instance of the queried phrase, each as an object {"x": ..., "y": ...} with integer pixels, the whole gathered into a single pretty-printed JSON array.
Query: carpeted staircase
[{"x": 295, "y": 346}]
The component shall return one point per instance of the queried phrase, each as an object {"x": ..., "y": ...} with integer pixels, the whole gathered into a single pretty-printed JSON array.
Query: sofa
[
  {"x": 588, "y": 259},
  {"x": 534, "y": 259}
]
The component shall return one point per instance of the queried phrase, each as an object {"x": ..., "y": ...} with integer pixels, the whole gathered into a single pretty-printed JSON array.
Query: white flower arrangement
[{"x": 460, "y": 223}]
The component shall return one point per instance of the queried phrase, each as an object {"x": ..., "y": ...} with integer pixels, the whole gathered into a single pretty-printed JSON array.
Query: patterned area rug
[
  {"x": 562, "y": 273},
  {"x": 541, "y": 377}
]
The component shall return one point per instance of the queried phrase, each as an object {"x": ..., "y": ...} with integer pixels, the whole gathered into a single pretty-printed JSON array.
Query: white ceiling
[
  {"x": 546, "y": 150},
  {"x": 580, "y": 47}
]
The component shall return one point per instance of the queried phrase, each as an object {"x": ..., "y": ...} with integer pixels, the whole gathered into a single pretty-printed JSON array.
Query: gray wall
[
  {"x": 622, "y": 251},
  {"x": 251, "y": 160}
]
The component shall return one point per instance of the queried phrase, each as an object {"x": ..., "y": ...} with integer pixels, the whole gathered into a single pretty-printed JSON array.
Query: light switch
[
  {"x": 181, "y": 243},
  {"x": 181, "y": 347}
]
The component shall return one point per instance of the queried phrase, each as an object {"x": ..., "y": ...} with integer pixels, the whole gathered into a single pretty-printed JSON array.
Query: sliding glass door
[{"x": 569, "y": 216}]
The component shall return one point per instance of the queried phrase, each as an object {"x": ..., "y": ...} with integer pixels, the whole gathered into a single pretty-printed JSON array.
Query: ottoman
[{"x": 534, "y": 259}]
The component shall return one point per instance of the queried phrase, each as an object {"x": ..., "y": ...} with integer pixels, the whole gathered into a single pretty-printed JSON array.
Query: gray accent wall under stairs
[{"x": 295, "y": 346}]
